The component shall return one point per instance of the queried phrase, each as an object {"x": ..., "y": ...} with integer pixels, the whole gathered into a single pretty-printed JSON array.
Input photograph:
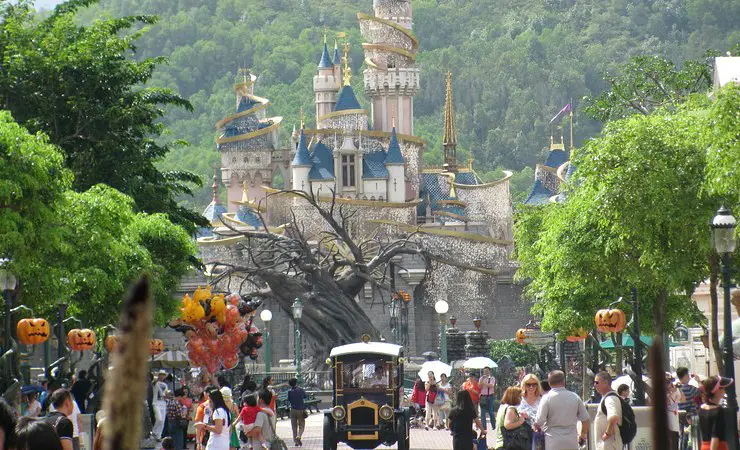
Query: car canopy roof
[{"x": 379, "y": 348}]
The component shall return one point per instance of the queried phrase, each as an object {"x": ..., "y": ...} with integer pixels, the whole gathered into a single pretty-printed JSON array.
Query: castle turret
[
  {"x": 301, "y": 164},
  {"x": 337, "y": 60},
  {"x": 391, "y": 78},
  {"x": 395, "y": 162},
  {"x": 449, "y": 140},
  {"x": 325, "y": 84}
]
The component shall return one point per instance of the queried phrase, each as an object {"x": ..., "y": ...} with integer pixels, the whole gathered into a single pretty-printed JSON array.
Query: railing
[{"x": 312, "y": 381}]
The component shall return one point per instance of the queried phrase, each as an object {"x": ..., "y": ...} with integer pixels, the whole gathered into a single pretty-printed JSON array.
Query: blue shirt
[
  {"x": 296, "y": 397},
  {"x": 690, "y": 393}
]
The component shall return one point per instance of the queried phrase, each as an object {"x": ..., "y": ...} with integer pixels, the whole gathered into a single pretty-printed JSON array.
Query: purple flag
[{"x": 566, "y": 109}]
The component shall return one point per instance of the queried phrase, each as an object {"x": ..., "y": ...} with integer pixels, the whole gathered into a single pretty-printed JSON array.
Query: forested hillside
[{"x": 515, "y": 62}]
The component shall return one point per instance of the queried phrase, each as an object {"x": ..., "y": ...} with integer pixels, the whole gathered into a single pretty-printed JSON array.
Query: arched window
[
  {"x": 380, "y": 198},
  {"x": 364, "y": 197},
  {"x": 372, "y": 199}
]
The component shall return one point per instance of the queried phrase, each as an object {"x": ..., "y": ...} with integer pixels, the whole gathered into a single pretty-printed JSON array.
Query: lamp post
[
  {"x": 395, "y": 309},
  {"x": 8, "y": 283},
  {"x": 442, "y": 307},
  {"x": 723, "y": 234},
  {"x": 639, "y": 391},
  {"x": 266, "y": 316},
  {"x": 297, "y": 308}
]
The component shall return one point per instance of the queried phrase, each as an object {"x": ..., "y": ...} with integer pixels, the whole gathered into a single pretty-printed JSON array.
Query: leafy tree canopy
[{"x": 80, "y": 86}]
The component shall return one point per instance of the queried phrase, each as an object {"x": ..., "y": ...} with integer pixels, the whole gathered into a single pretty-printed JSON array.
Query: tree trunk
[{"x": 713, "y": 260}]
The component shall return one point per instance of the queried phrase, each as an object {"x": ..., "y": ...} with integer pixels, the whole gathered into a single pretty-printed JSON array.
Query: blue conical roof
[
  {"x": 347, "y": 100},
  {"x": 394, "y": 155},
  {"x": 302, "y": 158},
  {"x": 337, "y": 58},
  {"x": 325, "y": 62}
]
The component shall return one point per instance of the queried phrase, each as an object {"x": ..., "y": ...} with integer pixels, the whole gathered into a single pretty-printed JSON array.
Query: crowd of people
[{"x": 544, "y": 415}]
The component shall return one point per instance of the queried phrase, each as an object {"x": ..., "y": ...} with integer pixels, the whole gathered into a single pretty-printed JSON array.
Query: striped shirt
[{"x": 690, "y": 393}]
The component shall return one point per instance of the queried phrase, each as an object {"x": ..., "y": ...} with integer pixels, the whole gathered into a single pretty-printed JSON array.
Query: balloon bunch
[{"x": 218, "y": 329}]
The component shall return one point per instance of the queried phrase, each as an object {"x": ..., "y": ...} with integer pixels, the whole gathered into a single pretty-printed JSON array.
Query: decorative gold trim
[
  {"x": 349, "y": 201},
  {"x": 369, "y": 133},
  {"x": 345, "y": 112},
  {"x": 561, "y": 171},
  {"x": 452, "y": 202},
  {"x": 390, "y": 48},
  {"x": 363, "y": 403},
  {"x": 253, "y": 134},
  {"x": 507, "y": 174},
  {"x": 253, "y": 110},
  {"x": 452, "y": 215},
  {"x": 207, "y": 241},
  {"x": 369, "y": 62},
  {"x": 394, "y": 25},
  {"x": 546, "y": 168},
  {"x": 438, "y": 232},
  {"x": 441, "y": 169}
]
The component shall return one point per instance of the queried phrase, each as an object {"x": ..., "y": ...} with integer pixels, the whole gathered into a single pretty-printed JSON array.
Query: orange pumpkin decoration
[
  {"x": 81, "y": 339},
  {"x": 521, "y": 335},
  {"x": 111, "y": 343},
  {"x": 610, "y": 320},
  {"x": 579, "y": 335},
  {"x": 32, "y": 331},
  {"x": 156, "y": 346}
]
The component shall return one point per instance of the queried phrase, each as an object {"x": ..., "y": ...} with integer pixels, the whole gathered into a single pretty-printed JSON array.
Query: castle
[{"x": 371, "y": 161}]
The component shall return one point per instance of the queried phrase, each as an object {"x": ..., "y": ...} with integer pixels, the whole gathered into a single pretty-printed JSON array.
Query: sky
[{"x": 47, "y": 4}]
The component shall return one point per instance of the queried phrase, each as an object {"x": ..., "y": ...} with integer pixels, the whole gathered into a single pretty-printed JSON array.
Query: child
[
  {"x": 247, "y": 416},
  {"x": 168, "y": 443}
]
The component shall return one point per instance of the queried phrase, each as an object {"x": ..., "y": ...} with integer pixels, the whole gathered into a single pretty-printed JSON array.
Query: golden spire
[
  {"x": 449, "y": 140},
  {"x": 244, "y": 71},
  {"x": 326, "y": 30},
  {"x": 301, "y": 115},
  {"x": 347, "y": 71}
]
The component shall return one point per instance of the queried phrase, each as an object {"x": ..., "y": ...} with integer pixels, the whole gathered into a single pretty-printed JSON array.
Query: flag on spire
[{"x": 566, "y": 109}]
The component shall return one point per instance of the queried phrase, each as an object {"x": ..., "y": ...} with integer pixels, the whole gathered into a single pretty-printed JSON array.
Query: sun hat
[{"x": 226, "y": 392}]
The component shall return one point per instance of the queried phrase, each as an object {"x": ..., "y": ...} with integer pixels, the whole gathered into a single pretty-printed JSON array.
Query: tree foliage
[
  {"x": 522, "y": 355},
  {"x": 82, "y": 248},
  {"x": 81, "y": 87}
]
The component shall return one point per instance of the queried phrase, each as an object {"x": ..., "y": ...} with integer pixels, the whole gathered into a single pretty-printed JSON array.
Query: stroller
[{"x": 417, "y": 416}]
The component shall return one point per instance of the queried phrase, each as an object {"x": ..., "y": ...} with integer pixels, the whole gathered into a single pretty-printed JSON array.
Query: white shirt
[
  {"x": 160, "y": 391},
  {"x": 220, "y": 441},
  {"x": 72, "y": 417},
  {"x": 558, "y": 413},
  {"x": 613, "y": 408}
]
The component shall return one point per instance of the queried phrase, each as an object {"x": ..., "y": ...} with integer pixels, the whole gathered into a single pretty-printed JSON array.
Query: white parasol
[
  {"x": 438, "y": 367},
  {"x": 479, "y": 362}
]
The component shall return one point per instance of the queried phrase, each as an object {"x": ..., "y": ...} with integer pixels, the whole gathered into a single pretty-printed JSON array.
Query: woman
[
  {"x": 418, "y": 396},
  {"x": 673, "y": 398},
  {"x": 267, "y": 385},
  {"x": 33, "y": 407},
  {"x": 532, "y": 394},
  {"x": 234, "y": 414},
  {"x": 176, "y": 412},
  {"x": 218, "y": 426},
  {"x": 34, "y": 434},
  {"x": 461, "y": 421},
  {"x": 432, "y": 418},
  {"x": 711, "y": 417},
  {"x": 445, "y": 391},
  {"x": 200, "y": 413},
  {"x": 507, "y": 416}
]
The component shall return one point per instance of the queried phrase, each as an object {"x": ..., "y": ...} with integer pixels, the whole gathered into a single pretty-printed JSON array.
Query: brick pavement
[{"x": 312, "y": 436}]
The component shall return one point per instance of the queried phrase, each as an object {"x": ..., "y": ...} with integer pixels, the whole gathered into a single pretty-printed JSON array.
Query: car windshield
[{"x": 365, "y": 374}]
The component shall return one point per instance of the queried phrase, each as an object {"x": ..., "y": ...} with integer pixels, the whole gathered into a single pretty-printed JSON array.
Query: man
[
  {"x": 44, "y": 383},
  {"x": 159, "y": 401},
  {"x": 558, "y": 414},
  {"x": 690, "y": 394},
  {"x": 487, "y": 385},
  {"x": 473, "y": 388},
  {"x": 63, "y": 404},
  {"x": 264, "y": 424},
  {"x": 608, "y": 414},
  {"x": 378, "y": 379},
  {"x": 81, "y": 389},
  {"x": 296, "y": 397}
]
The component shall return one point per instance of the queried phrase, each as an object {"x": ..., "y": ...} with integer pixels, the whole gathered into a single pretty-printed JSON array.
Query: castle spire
[
  {"x": 337, "y": 59},
  {"x": 449, "y": 141},
  {"x": 347, "y": 76},
  {"x": 215, "y": 200}
]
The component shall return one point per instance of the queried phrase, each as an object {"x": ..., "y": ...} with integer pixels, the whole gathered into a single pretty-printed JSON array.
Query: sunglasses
[{"x": 530, "y": 384}]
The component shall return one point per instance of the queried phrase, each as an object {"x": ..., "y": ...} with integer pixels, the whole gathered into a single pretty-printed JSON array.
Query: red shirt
[
  {"x": 248, "y": 414},
  {"x": 473, "y": 389}
]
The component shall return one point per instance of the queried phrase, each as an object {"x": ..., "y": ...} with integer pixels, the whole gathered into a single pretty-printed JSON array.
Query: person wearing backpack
[{"x": 608, "y": 415}]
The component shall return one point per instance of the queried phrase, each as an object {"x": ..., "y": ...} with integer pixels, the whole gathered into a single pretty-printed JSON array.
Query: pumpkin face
[
  {"x": 111, "y": 343},
  {"x": 521, "y": 335},
  {"x": 81, "y": 339},
  {"x": 156, "y": 346},
  {"x": 32, "y": 331},
  {"x": 610, "y": 320},
  {"x": 579, "y": 335}
]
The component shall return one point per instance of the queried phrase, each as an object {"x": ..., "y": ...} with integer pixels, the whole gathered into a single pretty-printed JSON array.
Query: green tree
[
  {"x": 80, "y": 86},
  {"x": 522, "y": 355}
]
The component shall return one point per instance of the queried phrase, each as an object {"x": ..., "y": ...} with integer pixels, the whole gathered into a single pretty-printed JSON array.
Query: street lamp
[
  {"x": 442, "y": 307},
  {"x": 297, "y": 308},
  {"x": 723, "y": 234},
  {"x": 266, "y": 316},
  {"x": 395, "y": 309},
  {"x": 8, "y": 283}
]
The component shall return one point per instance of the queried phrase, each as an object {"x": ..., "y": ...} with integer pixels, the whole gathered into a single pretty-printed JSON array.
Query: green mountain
[{"x": 515, "y": 62}]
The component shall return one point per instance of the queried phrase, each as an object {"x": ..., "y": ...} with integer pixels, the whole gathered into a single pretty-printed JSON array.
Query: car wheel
[
  {"x": 402, "y": 433},
  {"x": 330, "y": 441}
]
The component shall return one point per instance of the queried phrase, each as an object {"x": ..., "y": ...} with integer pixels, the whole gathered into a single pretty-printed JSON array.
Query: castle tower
[
  {"x": 449, "y": 140},
  {"x": 301, "y": 164},
  {"x": 246, "y": 144},
  {"x": 391, "y": 78},
  {"x": 395, "y": 163},
  {"x": 325, "y": 84}
]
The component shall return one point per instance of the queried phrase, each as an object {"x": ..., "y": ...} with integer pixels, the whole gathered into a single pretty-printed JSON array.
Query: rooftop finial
[
  {"x": 393, "y": 121},
  {"x": 244, "y": 71},
  {"x": 214, "y": 186},
  {"x": 326, "y": 30},
  {"x": 347, "y": 71},
  {"x": 450, "y": 133},
  {"x": 301, "y": 116}
]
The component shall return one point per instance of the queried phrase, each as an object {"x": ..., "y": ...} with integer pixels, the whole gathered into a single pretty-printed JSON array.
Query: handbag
[
  {"x": 440, "y": 399},
  {"x": 519, "y": 438},
  {"x": 276, "y": 443}
]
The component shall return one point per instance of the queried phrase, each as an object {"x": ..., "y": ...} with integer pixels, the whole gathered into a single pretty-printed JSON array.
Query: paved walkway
[{"x": 312, "y": 436}]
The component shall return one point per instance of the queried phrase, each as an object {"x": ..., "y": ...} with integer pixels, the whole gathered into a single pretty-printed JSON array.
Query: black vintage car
[{"x": 366, "y": 410}]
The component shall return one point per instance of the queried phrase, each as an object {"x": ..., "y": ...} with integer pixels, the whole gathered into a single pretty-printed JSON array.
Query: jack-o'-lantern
[
  {"x": 111, "y": 343},
  {"x": 521, "y": 335},
  {"x": 610, "y": 320},
  {"x": 81, "y": 339},
  {"x": 32, "y": 331},
  {"x": 577, "y": 336},
  {"x": 156, "y": 346}
]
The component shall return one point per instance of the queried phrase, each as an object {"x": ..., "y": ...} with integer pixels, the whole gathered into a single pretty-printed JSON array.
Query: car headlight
[
  {"x": 386, "y": 412},
  {"x": 338, "y": 413}
]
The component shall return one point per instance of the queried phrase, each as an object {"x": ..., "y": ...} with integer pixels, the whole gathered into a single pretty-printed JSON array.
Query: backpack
[{"x": 628, "y": 429}]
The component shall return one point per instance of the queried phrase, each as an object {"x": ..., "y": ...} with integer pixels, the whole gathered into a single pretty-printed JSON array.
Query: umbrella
[
  {"x": 438, "y": 367},
  {"x": 626, "y": 379},
  {"x": 628, "y": 342},
  {"x": 479, "y": 362},
  {"x": 171, "y": 359}
]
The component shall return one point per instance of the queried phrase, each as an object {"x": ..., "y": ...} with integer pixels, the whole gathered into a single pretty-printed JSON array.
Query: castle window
[
  {"x": 348, "y": 170},
  {"x": 372, "y": 198},
  {"x": 380, "y": 198},
  {"x": 246, "y": 160}
]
